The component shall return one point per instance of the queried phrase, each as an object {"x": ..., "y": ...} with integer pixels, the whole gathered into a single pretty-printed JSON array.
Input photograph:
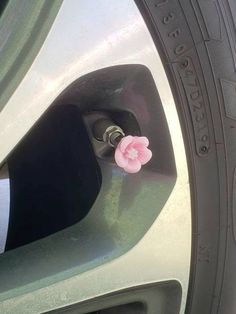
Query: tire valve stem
[
  {"x": 131, "y": 152},
  {"x": 108, "y": 132}
]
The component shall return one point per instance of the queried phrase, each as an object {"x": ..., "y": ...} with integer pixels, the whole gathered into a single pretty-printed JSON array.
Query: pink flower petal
[
  {"x": 125, "y": 142},
  {"x": 143, "y": 140},
  {"x": 133, "y": 166},
  {"x": 120, "y": 158},
  {"x": 144, "y": 155}
]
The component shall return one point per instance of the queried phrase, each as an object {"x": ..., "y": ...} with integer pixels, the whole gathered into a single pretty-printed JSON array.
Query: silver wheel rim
[{"x": 71, "y": 50}]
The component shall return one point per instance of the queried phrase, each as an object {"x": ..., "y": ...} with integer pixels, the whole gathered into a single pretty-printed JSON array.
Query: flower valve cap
[{"x": 132, "y": 152}]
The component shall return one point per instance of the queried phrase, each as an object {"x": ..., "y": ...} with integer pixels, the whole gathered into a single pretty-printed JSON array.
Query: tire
[{"x": 197, "y": 42}]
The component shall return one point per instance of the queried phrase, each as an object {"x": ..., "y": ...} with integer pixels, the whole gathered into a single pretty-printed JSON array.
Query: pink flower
[{"x": 132, "y": 152}]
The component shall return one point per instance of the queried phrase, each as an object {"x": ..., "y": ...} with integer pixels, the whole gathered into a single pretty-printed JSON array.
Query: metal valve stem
[{"x": 105, "y": 130}]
